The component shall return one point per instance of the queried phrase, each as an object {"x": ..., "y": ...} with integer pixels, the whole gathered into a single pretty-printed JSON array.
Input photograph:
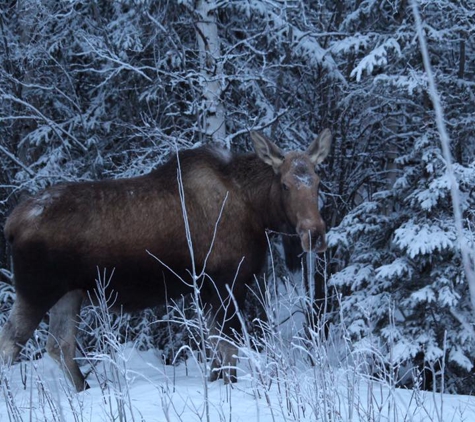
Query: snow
[
  {"x": 438, "y": 188},
  {"x": 419, "y": 239},
  {"x": 399, "y": 267},
  {"x": 457, "y": 355},
  {"x": 302, "y": 174},
  {"x": 357, "y": 274},
  {"x": 151, "y": 391},
  {"x": 426, "y": 294},
  {"x": 35, "y": 212},
  {"x": 358, "y": 42},
  {"x": 403, "y": 350},
  {"x": 376, "y": 58},
  {"x": 304, "y": 43}
]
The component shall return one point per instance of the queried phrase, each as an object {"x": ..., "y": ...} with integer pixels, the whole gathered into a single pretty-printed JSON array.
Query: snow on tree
[{"x": 398, "y": 264}]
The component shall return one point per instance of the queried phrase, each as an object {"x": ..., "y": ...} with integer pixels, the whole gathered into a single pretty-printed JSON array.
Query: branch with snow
[{"x": 16, "y": 161}]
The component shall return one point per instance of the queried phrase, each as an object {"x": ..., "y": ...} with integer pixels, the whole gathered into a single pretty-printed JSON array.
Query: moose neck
[{"x": 262, "y": 188}]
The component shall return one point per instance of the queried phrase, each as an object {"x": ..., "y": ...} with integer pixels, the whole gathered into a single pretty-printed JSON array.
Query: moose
[{"x": 139, "y": 228}]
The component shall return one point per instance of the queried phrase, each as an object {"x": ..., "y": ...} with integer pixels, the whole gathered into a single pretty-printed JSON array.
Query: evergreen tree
[{"x": 399, "y": 267}]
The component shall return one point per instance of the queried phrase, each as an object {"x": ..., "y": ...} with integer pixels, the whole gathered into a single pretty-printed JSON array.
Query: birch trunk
[{"x": 212, "y": 117}]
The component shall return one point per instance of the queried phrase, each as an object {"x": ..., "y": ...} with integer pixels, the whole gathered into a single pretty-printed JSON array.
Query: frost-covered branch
[
  {"x": 16, "y": 161},
  {"x": 109, "y": 56},
  {"x": 52, "y": 124}
]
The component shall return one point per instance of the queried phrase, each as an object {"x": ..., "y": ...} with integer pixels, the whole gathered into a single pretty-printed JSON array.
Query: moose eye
[{"x": 285, "y": 186}]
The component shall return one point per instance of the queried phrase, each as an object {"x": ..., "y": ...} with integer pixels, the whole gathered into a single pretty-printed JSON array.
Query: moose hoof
[
  {"x": 229, "y": 377},
  {"x": 214, "y": 375}
]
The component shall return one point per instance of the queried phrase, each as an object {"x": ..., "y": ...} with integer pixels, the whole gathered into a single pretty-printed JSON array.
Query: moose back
[{"x": 137, "y": 227}]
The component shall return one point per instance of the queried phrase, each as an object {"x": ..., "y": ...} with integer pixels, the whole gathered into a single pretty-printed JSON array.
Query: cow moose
[{"x": 136, "y": 226}]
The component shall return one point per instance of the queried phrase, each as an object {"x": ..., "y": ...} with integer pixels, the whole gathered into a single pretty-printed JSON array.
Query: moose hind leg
[
  {"x": 61, "y": 343},
  {"x": 22, "y": 322},
  {"x": 223, "y": 364}
]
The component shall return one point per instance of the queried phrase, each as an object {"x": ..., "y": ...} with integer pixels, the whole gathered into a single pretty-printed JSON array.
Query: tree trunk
[{"x": 212, "y": 117}]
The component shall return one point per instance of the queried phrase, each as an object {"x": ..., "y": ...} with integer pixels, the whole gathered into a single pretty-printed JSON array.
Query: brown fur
[{"x": 61, "y": 237}]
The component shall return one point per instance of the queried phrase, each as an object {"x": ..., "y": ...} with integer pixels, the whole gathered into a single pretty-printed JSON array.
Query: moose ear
[
  {"x": 320, "y": 147},
  {"x": 267, "y": 151}
]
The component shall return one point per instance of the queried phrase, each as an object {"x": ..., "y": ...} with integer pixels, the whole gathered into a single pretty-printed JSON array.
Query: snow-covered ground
[
  {"x": 278, "y": 383},
  {"x": 146, "y": 390}
]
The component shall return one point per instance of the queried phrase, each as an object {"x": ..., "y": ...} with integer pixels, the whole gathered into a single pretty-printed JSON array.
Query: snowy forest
[{"x": 110, "y": 88}]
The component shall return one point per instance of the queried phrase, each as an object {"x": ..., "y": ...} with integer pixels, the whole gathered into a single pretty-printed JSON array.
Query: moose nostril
[
  {"x": 317, "y": 241},
  {"x": 313, "y": 239},
  {"x": 321, "y": 244}
]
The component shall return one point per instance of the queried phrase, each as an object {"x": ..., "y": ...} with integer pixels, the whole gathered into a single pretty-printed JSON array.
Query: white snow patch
[
  {"x": 35, "y": 211},
  {"x": 457, "y": 355},
  {"x": 337, "y": 237},
  {"x": 304, "y": 179},
  {"x": 357, "y": 43},
  {"x": 397, "y": 268},
  {"x": 301, "y": 173},
  {"x": 403, "y": 350},
  {"x": 355, "y": 274},
  {"x": 426, "y": 294},
  {"x": 376, "y": 58},
  {"x": 447, "y": 296},
  {"x": 223, "y": 154},
  {"x": 438, "y": 188},
  {"x": 423, "y": 239},
  {"x": 39, "y": 205}
]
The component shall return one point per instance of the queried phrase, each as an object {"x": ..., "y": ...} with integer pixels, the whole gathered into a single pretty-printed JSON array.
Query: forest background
[{"x": 107, "y": 89}]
